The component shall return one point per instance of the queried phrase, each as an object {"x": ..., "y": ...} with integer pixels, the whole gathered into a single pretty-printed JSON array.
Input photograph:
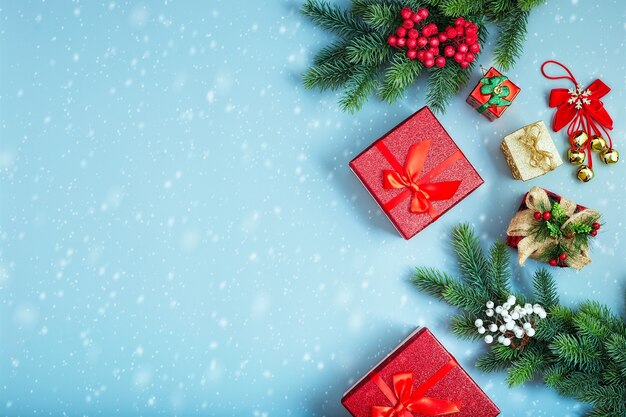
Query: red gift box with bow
[
  {"x": 492, "y": 102},
  {"x": 418, "y": 378},
  {"x": 416, "y": 172}
]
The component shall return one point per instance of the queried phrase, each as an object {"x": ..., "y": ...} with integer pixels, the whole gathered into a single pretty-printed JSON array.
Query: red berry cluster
[{"x": 425, "y": 42}]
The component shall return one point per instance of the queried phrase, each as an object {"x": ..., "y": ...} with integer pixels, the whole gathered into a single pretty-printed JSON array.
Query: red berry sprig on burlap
[{"x": 432, "y": 47}]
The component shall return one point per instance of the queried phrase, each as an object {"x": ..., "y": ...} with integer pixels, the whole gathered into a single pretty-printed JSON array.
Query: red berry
[
  {"x": 411, "y": 44},
  {"x": 546, "y": 215},
  {"x": 459, "y": 30},
  {"x": 423, "y": 12},
  {"x": 401, "y": 42},
  {"x": 401, "y": 32},
  {"x": 563, "y": 256},
  {"x": 440, "y": 61},
  {"x": 413, "y": 33},
  {"x": 408, "y": 24},
  {"x": 406, "y": 13},
  {"x": 442, "y": 37},
  {"x": 553, "y": 262},
  {"x": 469, "y": 57},
  {"x": 474, "y": 48},
  {"x": 450, "y": 32},
  {"x": 595, "y": 226},
  {"x": 593, "y": 233},
  {"x": 392, "y": 40},
  {"x": 449, "y": 50},
  {"x": 416, "y": 17},
  {"x": 433, "y": 41},
  {"x": 429, "y": 56},
  {"x": 459, "y": 21},
  {"x": 422, "y": 41},
  {"x": 458, "y": 57},
  {"x": 434, "y": 50},
  {"x": 470, "y": 39},
  {"x": 462, "y": 48},
  {"x": 464, "y": 64},
  {"x": 420, "y": 54},
  {"x": 411, "y": 54},
  {"x": 537, "y": 215},
  {"x": 429, "y": 63}
]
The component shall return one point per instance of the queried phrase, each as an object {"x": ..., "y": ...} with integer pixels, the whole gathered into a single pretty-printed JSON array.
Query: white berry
[
  {"x": 489, "y": 338},
  {"x": 489, "y": 304},
  {"x": 481, "y": 330},
  {"x": 478, "y": 323},
  {"x": 515, "y": 315},
  {"x": 499, "y": 309},
  {"x": 527, "y": 326},
  {"x": 530, "y": 332},
  {"x": 511, "y": 299},
  {"x": 489, "y": 313},
  {"x": 509, "y": 325},
  {"x": 506, "y": 342},
  {"x": 493, "y": 327},
  {"x": 502, "y": 328}
]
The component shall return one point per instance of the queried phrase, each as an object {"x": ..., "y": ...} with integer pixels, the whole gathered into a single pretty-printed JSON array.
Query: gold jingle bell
[
  {"x": 580, "y": 140},
  {"x": 575, "y": 156},
  {"x": 609, "y": 156},
  {"x": 598, "y": 144},
  {"x": 584, "y": 173}
]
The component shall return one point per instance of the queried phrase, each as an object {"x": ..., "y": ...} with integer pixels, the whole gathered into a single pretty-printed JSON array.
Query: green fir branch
[
  {"x": 528, "y": 5},
  {"x": 512, "y": 34},
  {"x": 399, "y": 76},
  {"x": 580, "y": 352},
  {"x": 370, "y": 49},
  {"x": 382, "y": 17},
  {"x": 472, "y": 262},
  {"x": 332, "y": 17},
  {"x": 456, "y": 8},
  {"x": 358, "y": 87},
  {"x": 524, "y": 369},
  {"x": 499, "y": 272},
  {"x": 545, "y": 289}
]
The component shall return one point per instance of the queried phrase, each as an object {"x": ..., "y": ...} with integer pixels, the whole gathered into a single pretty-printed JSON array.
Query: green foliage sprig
[
  {"x": 580, "y": 351},
  {"x": 362, "y": 63}
]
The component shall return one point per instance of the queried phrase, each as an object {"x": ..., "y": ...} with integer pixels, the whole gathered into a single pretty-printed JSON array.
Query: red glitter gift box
[
  {"x": 416, "y": 172},
  {"x": 418, "y": 378},
  {"x": 493, "y": 94}
]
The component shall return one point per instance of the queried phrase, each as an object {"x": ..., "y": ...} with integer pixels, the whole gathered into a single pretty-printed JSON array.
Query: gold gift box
[{"x": 530, "y": 152}]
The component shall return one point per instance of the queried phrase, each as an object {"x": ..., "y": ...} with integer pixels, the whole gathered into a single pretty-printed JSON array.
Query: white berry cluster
[{"x": 510, "y": 320}]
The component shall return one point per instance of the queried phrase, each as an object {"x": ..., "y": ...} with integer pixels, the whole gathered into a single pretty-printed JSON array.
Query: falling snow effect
[{"x": 180, "y": 234}]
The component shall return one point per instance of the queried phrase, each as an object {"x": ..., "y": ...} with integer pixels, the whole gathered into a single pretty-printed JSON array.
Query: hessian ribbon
[
  {"x": 405, "y": 401},
  {"x": 492, "y": 87},
  {"x": 409, "y": 178}
]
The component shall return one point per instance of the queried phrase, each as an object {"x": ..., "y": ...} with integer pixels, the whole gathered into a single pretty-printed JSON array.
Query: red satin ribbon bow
[
  {"x": 405, "y": 401},
  {"x": 588, "y": 101},
  {"x": 423, "y": 191},
  {"x": 579, "y": 107}
]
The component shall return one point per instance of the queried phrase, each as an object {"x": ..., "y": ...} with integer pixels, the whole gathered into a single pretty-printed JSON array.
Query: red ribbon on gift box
[
  {"x": 405, "y": 401},
  {"x": 408, "y": 177}
]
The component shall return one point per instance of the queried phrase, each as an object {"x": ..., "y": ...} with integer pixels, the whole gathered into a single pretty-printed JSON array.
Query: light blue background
[{"x": 179, "y": 230}]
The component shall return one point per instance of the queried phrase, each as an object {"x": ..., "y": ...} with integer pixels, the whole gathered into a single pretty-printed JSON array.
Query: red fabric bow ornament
[
  {"x": 423, "y": 191},
  {"x": 405, "y": 401},
  {"x": 579, "y": 101}
]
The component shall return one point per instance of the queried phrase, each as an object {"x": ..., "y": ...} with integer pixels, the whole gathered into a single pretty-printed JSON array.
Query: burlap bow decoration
[{"x": 523, "y": 224}]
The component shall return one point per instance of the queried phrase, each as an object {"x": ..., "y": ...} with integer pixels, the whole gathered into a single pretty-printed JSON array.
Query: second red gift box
[
  {"x": 419, "y": 378},
  {"x": 416, "y": 172}
]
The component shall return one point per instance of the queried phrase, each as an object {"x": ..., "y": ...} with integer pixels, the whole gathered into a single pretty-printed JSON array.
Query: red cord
[{"x": 571, "y": 76}]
